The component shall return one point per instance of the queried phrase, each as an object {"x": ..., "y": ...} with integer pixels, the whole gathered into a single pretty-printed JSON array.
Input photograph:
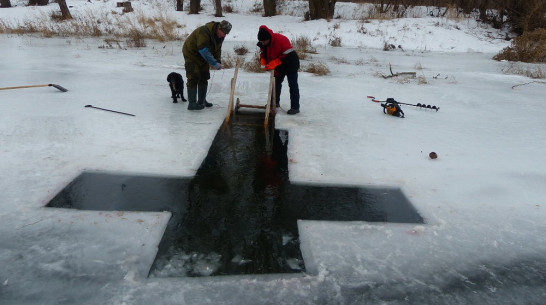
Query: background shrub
[
  {"x": 240, "y": 49},
  {"x": 303, "y": 46},
  {"x": 254, "y": 64},
  {"x": 318, "y": 68},
  {"x": 529, "y": 47}
]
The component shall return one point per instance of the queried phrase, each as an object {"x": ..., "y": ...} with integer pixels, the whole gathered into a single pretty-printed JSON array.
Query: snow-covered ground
[{"x": 483, "y": 198}]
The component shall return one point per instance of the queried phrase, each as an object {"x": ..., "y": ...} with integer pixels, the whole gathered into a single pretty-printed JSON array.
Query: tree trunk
[
  {"x": 5, "y": 3},
  {"x": 321, "y": 9},
  {"x": 218, "y": 5},
  {"x": 194, "y": 6},
  {"x": 270, "y": 8},
  {"x": 383, "y": 7},
  {"x": 64, "y": 10},
  {"x": 179, "y": 5},
  {"x": 482, "y": 8}
]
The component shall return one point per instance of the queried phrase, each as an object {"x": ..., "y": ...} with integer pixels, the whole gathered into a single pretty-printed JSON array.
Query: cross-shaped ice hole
[{"x": 239, "y": 214}]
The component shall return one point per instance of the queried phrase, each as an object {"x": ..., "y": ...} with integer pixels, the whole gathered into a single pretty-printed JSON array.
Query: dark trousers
[
  {"x": 294, "y": 89},
  {"x": 196, "y": 74}
]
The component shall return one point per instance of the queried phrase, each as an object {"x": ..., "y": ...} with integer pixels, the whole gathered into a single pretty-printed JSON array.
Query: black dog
[{"x": 176, "y": 83}]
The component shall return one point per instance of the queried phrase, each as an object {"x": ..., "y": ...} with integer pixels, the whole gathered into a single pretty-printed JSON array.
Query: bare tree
[
  {"x": 270, "y": 8},
  {"x": 321, "y": 9},
  {"x": 527, "y": 15},
  {"x": 383, "y": 6},
  {"x": 179, "y": 5},
  {"x": 195, "y": 5},
  {"x": 218, "y": 7},
  {"x": 65, "y": 12},
  {"x": 5, "y": 3}
]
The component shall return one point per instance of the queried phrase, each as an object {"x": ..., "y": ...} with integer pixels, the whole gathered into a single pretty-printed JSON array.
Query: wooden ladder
[{"x": 267, "y": 107}]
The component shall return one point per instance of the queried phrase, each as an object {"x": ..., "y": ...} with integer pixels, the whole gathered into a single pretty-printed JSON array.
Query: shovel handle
[{"x": 35, "y": 86}]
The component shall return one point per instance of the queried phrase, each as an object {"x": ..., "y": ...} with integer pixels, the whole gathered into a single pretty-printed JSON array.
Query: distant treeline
[{"x": 520, "y": 15}]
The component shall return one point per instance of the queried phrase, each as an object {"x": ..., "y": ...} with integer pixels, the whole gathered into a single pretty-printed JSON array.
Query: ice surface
[{"x": 482, "y": 199}]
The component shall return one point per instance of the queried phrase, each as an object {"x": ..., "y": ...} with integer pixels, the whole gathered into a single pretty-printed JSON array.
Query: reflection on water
[{"x": 238, "y": 214}]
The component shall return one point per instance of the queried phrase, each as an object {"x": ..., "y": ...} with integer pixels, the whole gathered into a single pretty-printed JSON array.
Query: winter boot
[
  {"x": 192, "y": 98},
  {"x": 202, "y": 95},
  {"x": 293, "y": 111}
]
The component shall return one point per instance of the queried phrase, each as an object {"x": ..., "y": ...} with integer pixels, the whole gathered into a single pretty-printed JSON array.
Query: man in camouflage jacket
[{"x": 202, "y": 50}]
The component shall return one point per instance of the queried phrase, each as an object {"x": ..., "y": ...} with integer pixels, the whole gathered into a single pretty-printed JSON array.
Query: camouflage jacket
[{"x": 203, "y": 37}]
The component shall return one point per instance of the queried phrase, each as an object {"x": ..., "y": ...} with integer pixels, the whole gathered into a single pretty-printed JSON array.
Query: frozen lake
[{"x": 481, "y": 200}]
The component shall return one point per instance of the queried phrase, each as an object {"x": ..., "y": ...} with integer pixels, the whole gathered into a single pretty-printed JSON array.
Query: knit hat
[
  {"x": 225, "y": 26},
  {"x": 263, "y": 34}
]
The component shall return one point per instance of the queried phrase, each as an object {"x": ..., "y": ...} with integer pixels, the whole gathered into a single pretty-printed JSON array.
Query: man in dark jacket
[
  {"x": 276, "y": 52},
  {"x": 202, "y": 50}
]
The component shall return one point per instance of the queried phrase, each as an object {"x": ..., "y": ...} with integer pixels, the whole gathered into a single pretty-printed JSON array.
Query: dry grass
[
  {"x": 318, "y": 68},
  {"x": 257, "y": 7},
  {"x": 387, "y": 12},
  {"x": 240, "y": 50},
  {"x": 228, "y": 7},
  {"x": 134, "y": 27},
  {"x": 535, "y": 71},
  {"x": 228, "y": 60},
  {"x": 335, "y": 41},
  {"x": 529, "y": 47},
  {"x": 253, "y": 65},
  {"x": 135, "y": 40},
  {"x": 388, "y": 46},
  {"x": 359, "y": 62},
  {"x": 371, "y": 61},
  {"x": 159, "y": 27},
  {"x": 339, "y": 60},
  {"x": 451, "y": 12},
  {"x": 520, "y": 16},
  {"x": 303, "y": 46},
  {"x": 109, "y": 44},
  {"x": 403, "y": 80}
]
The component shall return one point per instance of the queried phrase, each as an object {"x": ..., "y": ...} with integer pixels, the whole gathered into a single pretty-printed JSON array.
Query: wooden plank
[
  {"x": 250, "y": 106},
  {"x": 270, "y": 94},
  {"x": 274, "y": 96},
  {"x": 232, "y": 92}
]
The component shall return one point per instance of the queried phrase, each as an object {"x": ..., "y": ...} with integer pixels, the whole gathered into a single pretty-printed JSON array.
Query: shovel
[{"x": 34, "y": 86}]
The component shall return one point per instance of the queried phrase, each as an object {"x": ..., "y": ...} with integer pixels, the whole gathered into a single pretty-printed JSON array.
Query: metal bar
[{"x": 91, "y": 106}]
